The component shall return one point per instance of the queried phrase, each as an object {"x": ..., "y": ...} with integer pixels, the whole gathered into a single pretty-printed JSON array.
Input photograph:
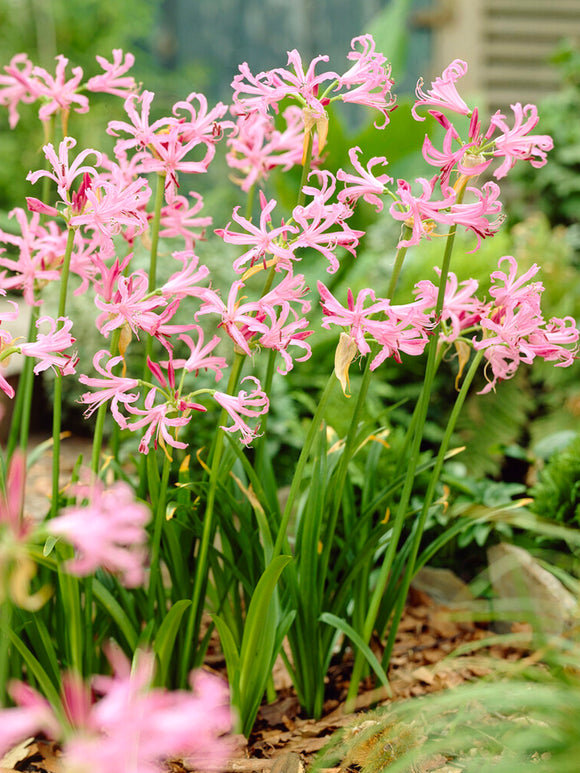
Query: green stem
[
  {"x": 5, "y": 625},
  {"x": 305, "y": 169},
  {"x": 427, "y": 502},
  {"x": 159, "y": 518},
  {"x": 201, "y": 565},
  {"x": 57, "y": 401},
  {"x": 299, "y": 471},
  {"x": 401, "y": 513},
  {"x": 101, "y": 414}
]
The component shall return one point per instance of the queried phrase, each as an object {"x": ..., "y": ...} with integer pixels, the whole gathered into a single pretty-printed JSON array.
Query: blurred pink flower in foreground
[
  {"x": 131, "y": 726},
  {"x": 107, "y": 532}
]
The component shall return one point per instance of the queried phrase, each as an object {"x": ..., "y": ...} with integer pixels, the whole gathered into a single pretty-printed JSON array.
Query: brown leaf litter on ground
[{"x": 283, "y": 741}]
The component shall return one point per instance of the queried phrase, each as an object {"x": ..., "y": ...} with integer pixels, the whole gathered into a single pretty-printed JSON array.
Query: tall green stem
[
  {"x": 200, "y": 579},
  {"x": 101, "y": 413},
  {"x": 427, "y": 502},
  {"x": 57, "y": 401},
  {"x": 159, "y": 518},
  {"x": 422, "y": 407}
]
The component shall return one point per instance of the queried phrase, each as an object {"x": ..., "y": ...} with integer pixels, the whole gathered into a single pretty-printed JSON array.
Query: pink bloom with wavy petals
[
  {"x": 200, "y": 357},
  {"x": 109, "y": 532},
  {"x": 483, "y": 217},
  {"x": 420, "y": 212},
  {"x": 461, "y": 307},
  {"x": 17, "y": 86},
  {"x": 366, "y": 184},
  {"x": 64, "y": 174},
  {"x": 62, "y": 94},
  {"x": 251, "y": 404},
  {"x": 368, "y": 81},
  {"x": 179, "y": 217},
  {"x": 110, "y": 387},
  {"x": 517, "y": 142},
  {"x": 49, "y": 347},
  {"x": 158, "y": 422},
  {"x": 142, "y": 133},
  {"x": 265, "y": 240},
  {"x": 238, "y": 318},
  {"x": 114, "y": 80},
  {"x": 319, "y": 216},
  {"x": 443, "y": 92}
]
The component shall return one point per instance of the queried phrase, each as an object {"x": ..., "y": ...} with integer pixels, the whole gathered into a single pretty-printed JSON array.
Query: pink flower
[
  {"x": 38, "y": 258},
  {"x": 518, "y": 143},
  {"x": 179, "y": 218},
  {"x": 185, "y": 283},
  {"x": 366, "y": 184},
  {"x": 123, "y": 723},
  {"x": 368, "y": 81},
  {"x": 251, "y": 404},
  {"x": 62, "y": 94},
  {"x": 265, "y": 240},
  {"x": 465, "y": 159},
  {"x": 514, "y": 330},
  {"x": 257, "y": 146},
  {"x": 17, "y": 86},
  {"x": 476, "y": 217},
  {"x": 420, "y": 212},
  {"x": 443, "y": 93},
  {"x": 12, "y": 499},
  {"x": 281, "y": 334},
  {"x": 132, "y": 304},
  {"x": 142, "y": 133},
  {"x": 63, "y": 173},
  {"x": 199, "y": 357},
  {"x": 461, "y": 308},
  {"x": 109, "y": 208},
  {"x": 49, "y": 347},
  {"x": 108, "y": 532},
  {"x": 354, "y": 316},
  {"x": 110, "y": 387},
  {"x": 31, "y": 716},
  {"x": 238, "y": 318},
  {"x": 318, "y": 217},
  {"x": 158, "y": 422},
  {"x": 114, "y": 80}
]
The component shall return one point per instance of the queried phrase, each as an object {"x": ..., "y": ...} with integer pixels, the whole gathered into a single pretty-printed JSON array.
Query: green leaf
[
  {"x": 46, "y": 685},
  {"x": 165, "y": 639},
  {"x": 117, "y": 613},
  {"x": 356, "y": 639},
  {"x": 231, "y": 655},
  {"x": 258, "y": 643},
  {"x": 49, "y": 545}
]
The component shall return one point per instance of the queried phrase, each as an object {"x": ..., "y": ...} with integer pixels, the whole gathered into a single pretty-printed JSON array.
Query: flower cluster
[{"x": 131, "y": 726}]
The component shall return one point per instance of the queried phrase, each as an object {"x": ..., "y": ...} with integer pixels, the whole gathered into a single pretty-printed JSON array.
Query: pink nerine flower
[
  {"x": 17, "y": 86},
  {"x": 64, "y": 174},
  {"x": 110, "y": 387},
  {"x": 252, "y": 404},
  {"x": 109, "y": 532},
  {"x": 265, "y": 240},
  {"x": 61, "y": 94},
  {"x": 158, "y": 421},
  {"x": 366, "y": 184},
  {"x": 420, "y": 212},
  {"x": 123, "y": 723},
  {"x": 518, "y": 143},
  {"x": 443, "y": 93},
  {"x": 514, "y": 329},
  {"x": 49, "y": 347},
  {"x": 114, "y": 80},
  {"x": 368, "y": 81}
]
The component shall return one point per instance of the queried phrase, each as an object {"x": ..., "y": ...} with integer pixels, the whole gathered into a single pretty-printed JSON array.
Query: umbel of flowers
[{"x": 84, "y": 231}]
